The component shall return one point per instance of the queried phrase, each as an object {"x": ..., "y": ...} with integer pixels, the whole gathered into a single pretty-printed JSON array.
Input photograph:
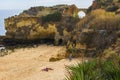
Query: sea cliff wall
[{"x": 42, "y": 22}]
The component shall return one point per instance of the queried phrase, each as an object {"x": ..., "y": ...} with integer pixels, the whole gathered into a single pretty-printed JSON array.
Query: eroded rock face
[
  {"x": 28, "y": 28},
  {"x": 29, "y": 24}
]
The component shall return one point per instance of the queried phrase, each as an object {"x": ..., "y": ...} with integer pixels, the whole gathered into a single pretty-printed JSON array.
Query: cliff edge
[{"x": 42, "y": 22}]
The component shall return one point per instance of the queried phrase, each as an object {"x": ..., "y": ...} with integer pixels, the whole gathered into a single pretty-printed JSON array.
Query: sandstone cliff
[{"x": 42, "y": 22}]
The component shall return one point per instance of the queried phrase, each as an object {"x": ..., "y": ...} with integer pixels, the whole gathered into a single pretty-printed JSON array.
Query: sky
[{"x": 13, "y": 7}]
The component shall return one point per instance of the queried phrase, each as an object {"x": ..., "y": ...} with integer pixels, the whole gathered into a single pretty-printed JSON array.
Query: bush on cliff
[
  {"x": 56, "y": 16},
  {"x": 112, "y": 8}
]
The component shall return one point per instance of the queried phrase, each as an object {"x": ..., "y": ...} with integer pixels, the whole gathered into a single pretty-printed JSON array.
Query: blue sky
[{"x": 25, "y": 4}]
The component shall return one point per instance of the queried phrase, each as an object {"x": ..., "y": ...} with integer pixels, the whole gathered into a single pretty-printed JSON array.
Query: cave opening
[{"x": 60, "y": 42}]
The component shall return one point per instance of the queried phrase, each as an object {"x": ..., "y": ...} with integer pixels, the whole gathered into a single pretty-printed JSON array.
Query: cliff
[
  {"x": 42, "y": 22},
  {"x": 91, "y": 35},
  {"x": 108, "y": 5},
  {"x": 96, "y": 32}
]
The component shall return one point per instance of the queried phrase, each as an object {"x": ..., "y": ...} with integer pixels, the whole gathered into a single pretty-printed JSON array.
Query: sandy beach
[{"x": 27, "y": 64}]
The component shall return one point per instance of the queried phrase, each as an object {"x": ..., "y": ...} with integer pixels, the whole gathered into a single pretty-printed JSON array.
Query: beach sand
[{"x": 27, "y": 64}]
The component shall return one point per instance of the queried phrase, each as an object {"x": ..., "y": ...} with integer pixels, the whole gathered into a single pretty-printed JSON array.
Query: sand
[{"x": 26, "y": 64}]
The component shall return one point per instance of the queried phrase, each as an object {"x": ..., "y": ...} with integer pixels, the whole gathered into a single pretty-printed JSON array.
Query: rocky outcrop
[
  {"x": 42, "y": 22},
  {"x": 108, "y": 5},
  {"x": 94, "y": 33},
  {"x": 28, "y": 28}
]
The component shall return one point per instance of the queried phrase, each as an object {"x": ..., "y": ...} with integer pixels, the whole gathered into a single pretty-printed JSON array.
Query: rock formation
[
  {"x": 108, "y": 5},
  {"x": 41, "y": 22}
]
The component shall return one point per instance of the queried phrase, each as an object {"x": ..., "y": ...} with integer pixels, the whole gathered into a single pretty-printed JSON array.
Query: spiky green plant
[{"x": 95, "y": 70}]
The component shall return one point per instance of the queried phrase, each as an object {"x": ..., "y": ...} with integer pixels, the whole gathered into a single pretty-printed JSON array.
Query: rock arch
[{"x": 81, "y": 14}]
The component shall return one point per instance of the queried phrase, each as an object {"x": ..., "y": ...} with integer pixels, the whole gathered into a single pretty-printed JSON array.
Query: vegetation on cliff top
[{"x": 54, "y": 17}]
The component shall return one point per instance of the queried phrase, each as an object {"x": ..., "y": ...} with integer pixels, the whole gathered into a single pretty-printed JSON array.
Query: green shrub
[
  {"x": 56, "y": 16},
  {"x": 112, "y": 8},
  {"x": 95, "y": 70}
]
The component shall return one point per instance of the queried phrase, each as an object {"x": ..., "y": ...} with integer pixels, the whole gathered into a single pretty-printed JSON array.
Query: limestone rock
[{"x": 38, "y": 22}]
